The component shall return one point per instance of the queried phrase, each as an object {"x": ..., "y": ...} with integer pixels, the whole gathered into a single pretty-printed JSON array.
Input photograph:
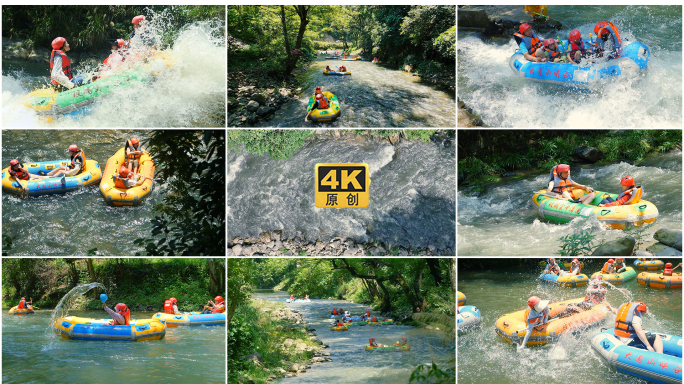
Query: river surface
[
  {"x": 350, "y": 361},
  {"x": 412, "y": 194},
  {"x": 74, "y": 222},
  {"x": 502, "y": 99},
  {"x": 372, "y": 96},
  {"x": 190, "y": 93},
  {"x": 502, "y": 221},
  {"x": 33, "y": 353},
  {"x": 484, "y": 357}
]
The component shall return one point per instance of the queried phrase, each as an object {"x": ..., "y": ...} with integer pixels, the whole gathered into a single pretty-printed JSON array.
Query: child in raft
[{"x": 625, "y": 197}]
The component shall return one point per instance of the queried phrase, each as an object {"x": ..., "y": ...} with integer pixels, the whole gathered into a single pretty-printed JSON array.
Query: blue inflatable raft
[
  {"x": 633, "y": 59},
  {"x": 191, "y": 319},
  {"x": 336, "y": 73},
  {"x": 565, "y": 281},
  {"x": 651, "y": 366},
  {"x": 468, "y": 316},
  {"x": 81, "y": 328},
  {"x": 91, "y": 176}
]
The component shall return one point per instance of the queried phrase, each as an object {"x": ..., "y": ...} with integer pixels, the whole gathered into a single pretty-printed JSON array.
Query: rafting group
[
  {"x": 543, "y": 322},
  {"x": 345, "y": 321}
]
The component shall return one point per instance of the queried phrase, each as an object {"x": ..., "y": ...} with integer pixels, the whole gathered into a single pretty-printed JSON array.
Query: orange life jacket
[
  {"x": 66, "y": 65},
  {"x": 373, "y": 319},
  {"x": 532, "y": 43},
  {"x": 323, "y": 103},
  {"x": 127, "y": 317},
  {"x": 605, "y": 268},
  {"x": 219, "y": 308},
  {"x": 553, "y": 54},
  {"x": 623, "y": 320},
  {"x": 168, "y": 307},
  {"x": 334, "y": 311},
  {"x": 22, "y": 304},
  {"x": 133, "y": 156},
  {"x": 119, "y": 182},
  {"x": 667, "y": 272},
  {"x": 83, "y": 163},
  {"x": 22, "y": 175},
  {"x": 554, "y": 268},
  {"x": 560, "y": 185}
]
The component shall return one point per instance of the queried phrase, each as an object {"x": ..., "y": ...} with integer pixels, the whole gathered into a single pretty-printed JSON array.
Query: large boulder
[
  {"x": 669, "y": 237},
  {"x": 252, "y": 106},
  {"x": 589, "y": 154},
  {"x": 472, "y": 18},
  {"x": 259, "y": 98},
  {"x": 232, "y": 103},
  {"x": 619, "y": 247},
  {"x": 659, "y": 249}
]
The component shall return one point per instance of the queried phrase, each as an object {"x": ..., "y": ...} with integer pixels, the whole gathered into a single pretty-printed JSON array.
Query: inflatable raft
[
  {"x": 336, "y": 73},
  {"x": 651, "y": 265},
  {"x": 376, "y": 62},
  {"x": 132, "y": 196},
  {"x": 389, "y": 348},
  {"x": 298, "y": 301},
  {"x": 382, "y": 322},
  {"x": 332, "y": 57},
  {"x": 468, "y": 316},
  {"x": 191, "y": 319},
  {"x": 461, "y": 298},
  {"x": 342, "y": 328},
  {"x": 658, "y": 280},
  {"x": 23, "y": 311},
  {"x": 616, "y": 278},
  {"x": 335, "y": 316},
  {"x": 565, "y": 281},
  {"x": 92, "y": 175},
  {"x": 512, "y": 327},
  {"x": 80, "y": 328},
  {"x": 619, "y": 217},
  {"x": 48, "y": 103},
  {"x": 633, "y": 59},
  {"x": 567, "y": 265},
  {"x": 321, "y": 115},
  {"x": 656, "y": 367}
]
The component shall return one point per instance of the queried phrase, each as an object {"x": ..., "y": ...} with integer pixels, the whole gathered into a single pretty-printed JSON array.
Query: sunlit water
[
  {"x": 372, "y": 96},
  {"x": 502, "y": 221},
  {"x": 75, "y": 222},
  {"x": 488, "y": 85},
  {"x": 485, "y": 357},
  {"x": 350, "y": 361},
  {"x": 411, "y": 194}
]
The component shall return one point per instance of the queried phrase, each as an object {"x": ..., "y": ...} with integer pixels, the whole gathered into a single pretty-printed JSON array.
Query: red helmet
[
  {"x": 23, "y": 298},
  {"x": 318, "y": 89},
  {"x": 138, "y": 19},
  {"x": 627, "y": 180},
  {"x": 641, "y": 307},
  {"x": 173, "y": 300},
  {"x": 548, "y": 42},
  {"x": 532, "y": 301},
  {"x": 121, "y": 308},
  {"x": 218, "y": 299},
  {"x": 575, "y": 261},
  {"x": 562, "y": 168},
  {"x": 73, "y": 148},
  {"x": 14, "y": 162},
  {"x": 575, "y": 35},
  {"x": 524, "y": 27},
  {"x": 58, "y": 43},
  {"x": 600, "y": 28},
  {"x": 135, "y": 141},
  {"x": 121, "y": 42},
  {"x": 123, "y": 171},
  {"x": 611, "y": 261},
  {"x": 668, "y": 265}
]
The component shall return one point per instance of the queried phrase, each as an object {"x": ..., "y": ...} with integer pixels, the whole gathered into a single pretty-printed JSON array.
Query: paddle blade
[{"x": 103, "y": 298}]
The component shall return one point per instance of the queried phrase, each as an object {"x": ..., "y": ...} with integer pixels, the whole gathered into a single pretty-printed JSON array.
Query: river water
[
  {"x": 372, "y": 96},
  {"x": 350, "y": 361},
  {"x": 501, "y": 221},
  {"x": 484, "y": 357},
  {"x": 502, "y": 99},
  {"x": 74, "y": 222},
  {"x": 33, "y": 353},
  {"x": 190, "y": 93},
  {"x": 412, "y": 194}
]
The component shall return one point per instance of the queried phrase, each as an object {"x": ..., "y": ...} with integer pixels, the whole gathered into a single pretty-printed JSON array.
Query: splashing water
[{"x": 65, "y": 304}]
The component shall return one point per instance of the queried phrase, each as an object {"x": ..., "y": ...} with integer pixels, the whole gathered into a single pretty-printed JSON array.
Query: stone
[
  {"x": 259, "y": 98},
  {"x": 263, "y": 111},
  {"x": 246, "y": 89},
  {"x": 619, "y": 247},
  {"x": 294, "y": 367},
  {"x": 284, "y": 92},
  {"x": 319, "y": 246},
  {"x": 265, "y": 237},
  {"x": 660, "y": 249},
  {"x": 248, "y": 251},
  {"x": 237, "y": 250},
  {"x": 233, "y": 103},
  {"x": 252, "y": 106},
  {"x": 673, "y": 238},
  {"x": 589, "y": 154},
  {"x": 641, "y": 252},
  {"x": 472, "y": 18},
  {"x": 276, "y": 235}
]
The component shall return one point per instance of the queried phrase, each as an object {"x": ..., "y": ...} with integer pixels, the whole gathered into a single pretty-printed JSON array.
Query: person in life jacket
[
  {"x": 596, "y": 292},
  {"x": 577, "y": 49},
  {"x": 216, "y": 306},
  {"x": 334, "y": 311},
  {"x": 402, "y": 342},
  {"x": 342, "y": 68},
  {"x": 551, "y": 266},
  {"x": 61, "y": 75},
  {"x": 118, "y": 55},
  {"x": 608, "y": 267},
  {"x": 78, "y": 164},
  {"x": 561, "y": 185},
  {"x": 668, "y": 269},
  {"x": 631, "y": 194},
  {"x": 629, "y": 327},
  {"x": 19, "y": 173},
  {"x": 529, "y": 43},
  {"x": 133, "y": 152},
  {"x": 171, "y": 306},
  {"x": 619, "y": 265},
  {"x": 122, "y": 316},
  {"x": 327, "y": 68},
  {"x": 291, "y": 297},
  {"x": 142, "y": 35},
  {"x": 126, "y": 179},
  {"x": 551, "y": 52},
  {"x": 372, "y": 342},
  {"x": 575, "y": 267},
  {"x": 608, "y": 42},
  {"x": 339, "y": 324},
  {"x": 23, "y": 304},
  {"x": 538, "y": 314},
  {"x": 321, "y": 102}
]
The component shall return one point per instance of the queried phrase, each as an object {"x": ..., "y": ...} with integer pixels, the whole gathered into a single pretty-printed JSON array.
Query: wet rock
[
  {"x": 472, "y": 18},
  {"x": 619, "y": 247},
  {"x": 237, "y": 250},
  {"x": 252, "y": 106},
  {"x": 259, "y": 98},
  {"x": 660, "y": 249},
  {"x": 294, "y": 367},
  {"x": 669, "y": 237},
  {"x": 589, "y": 154}
]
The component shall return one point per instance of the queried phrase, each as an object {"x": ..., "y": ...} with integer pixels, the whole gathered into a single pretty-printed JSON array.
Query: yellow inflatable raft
[
  {"x": 24, "y": 311},
  {"x": 52, "y": 185},
  {"x": 132, "y": 196},
  {"x": 658, "y": 280},
  {"x": 513, "y": 328}
]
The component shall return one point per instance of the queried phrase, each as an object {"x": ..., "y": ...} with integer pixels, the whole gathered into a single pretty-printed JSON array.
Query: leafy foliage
[
  {"x": 432, "y": 375},
  {"x": 280, "y": 144},
  {"x": 577, "y": 244}
]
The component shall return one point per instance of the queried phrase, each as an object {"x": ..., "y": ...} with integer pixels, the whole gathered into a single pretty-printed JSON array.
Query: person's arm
[
  {"x": 642, "y": 336},
  {"x": 583, "y": 187},
  {"x": 119, "y": 318},
  {"x": 619, "y": 201},
  {"x": 58, "y": 75},
  {"x": 75, "y": 170}
]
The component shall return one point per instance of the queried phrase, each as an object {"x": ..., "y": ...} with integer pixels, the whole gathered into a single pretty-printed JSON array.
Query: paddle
[{"x": 539, "y": 14}]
